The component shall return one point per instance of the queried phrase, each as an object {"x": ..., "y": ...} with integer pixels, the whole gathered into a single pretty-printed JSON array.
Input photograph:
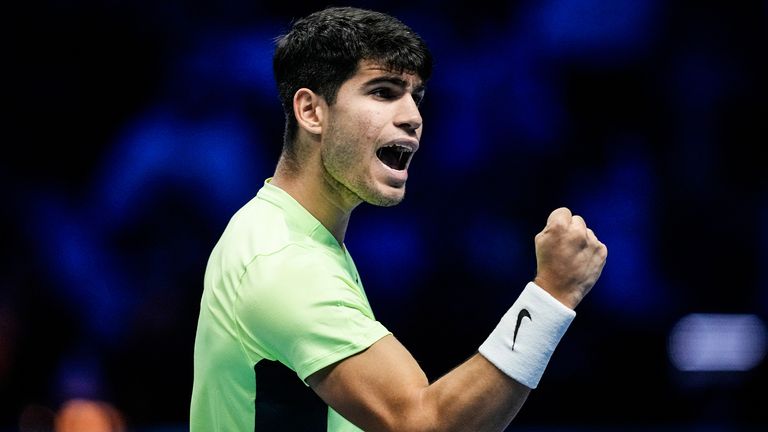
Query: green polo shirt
[{"x": 278, "y": 286}]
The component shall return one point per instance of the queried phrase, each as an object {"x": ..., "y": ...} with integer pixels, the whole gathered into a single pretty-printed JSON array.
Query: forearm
[
  {"x": 382, "y": 388},
  {"x": 487, "y": 391},
  {"x": 475, "y": 396}
]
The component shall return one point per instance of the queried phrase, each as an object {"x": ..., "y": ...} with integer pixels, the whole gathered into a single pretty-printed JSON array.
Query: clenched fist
[{"x": 569, "y": 258}]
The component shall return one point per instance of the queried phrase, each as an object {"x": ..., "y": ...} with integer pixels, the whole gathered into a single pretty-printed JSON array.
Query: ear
[{"x": 309, "y": 109}]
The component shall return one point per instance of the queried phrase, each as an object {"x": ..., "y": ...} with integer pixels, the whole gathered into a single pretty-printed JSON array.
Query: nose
[{"x": 408, "y": 116}]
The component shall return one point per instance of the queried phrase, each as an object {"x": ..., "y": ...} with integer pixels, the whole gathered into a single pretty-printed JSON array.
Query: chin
[{"x": 391, "y": 197}]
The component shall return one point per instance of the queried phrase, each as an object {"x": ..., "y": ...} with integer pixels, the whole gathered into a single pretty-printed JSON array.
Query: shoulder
[
  {"x": 301, "y": 268},
  {"x": 259, "y": 227}
]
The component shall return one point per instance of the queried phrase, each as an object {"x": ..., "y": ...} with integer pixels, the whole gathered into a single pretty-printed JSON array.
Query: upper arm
[
  {"x": 380, "y": 388},
  {"x": 383, "y": 389}
]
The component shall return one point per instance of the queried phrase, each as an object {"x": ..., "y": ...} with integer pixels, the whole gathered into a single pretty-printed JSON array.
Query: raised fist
[{"x": 569, "y": 258}]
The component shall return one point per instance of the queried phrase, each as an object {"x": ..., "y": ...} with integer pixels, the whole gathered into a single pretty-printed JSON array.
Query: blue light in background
[
  {"x": 489, "y": 102},
  {"x": 495, "y": 247},
  {"x": 213, "y": 159},
  {"x": 460, "y": 140},
  {"x": 619, "y": 209},
  {"x": 239, "y": 60},
  {"x": 392, "y": 251},
  {"x": 595, "y": 29},
  {"x": 79, "y": 375},
  {"x": 717, "y": 342},
  {"x": 211, "y": 162},
  {"x": 74, "y": 251}
]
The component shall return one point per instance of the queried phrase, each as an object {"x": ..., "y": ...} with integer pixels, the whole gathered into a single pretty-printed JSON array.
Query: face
[{"x": 371, "y": 133}]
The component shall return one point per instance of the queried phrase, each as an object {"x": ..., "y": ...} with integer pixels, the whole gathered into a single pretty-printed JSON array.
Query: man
[{"x": 281, "y": 288}]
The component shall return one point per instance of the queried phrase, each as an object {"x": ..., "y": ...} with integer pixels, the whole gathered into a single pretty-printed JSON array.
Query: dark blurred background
[{"x": 134, "y": 129}]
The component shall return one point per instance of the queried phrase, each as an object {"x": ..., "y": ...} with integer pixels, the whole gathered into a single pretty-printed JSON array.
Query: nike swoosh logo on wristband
[{"x": 522, "y": 314}]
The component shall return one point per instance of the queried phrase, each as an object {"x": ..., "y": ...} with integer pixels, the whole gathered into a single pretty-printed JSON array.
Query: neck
[{"x": 320, "y": 195}]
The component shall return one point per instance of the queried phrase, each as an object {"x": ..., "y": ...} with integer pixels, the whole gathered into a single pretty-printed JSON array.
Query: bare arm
[{"x": 384, "y": 389}]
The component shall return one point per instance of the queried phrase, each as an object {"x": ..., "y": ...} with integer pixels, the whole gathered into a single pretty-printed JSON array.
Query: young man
[{"x": 281, "y": 287}]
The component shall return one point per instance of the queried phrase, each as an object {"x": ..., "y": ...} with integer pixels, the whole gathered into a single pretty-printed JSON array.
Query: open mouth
[{"x": 395, "y": 156}]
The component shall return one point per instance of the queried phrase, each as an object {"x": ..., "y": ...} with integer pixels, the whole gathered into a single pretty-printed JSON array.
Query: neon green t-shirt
[{"x": 277, "y": 287}]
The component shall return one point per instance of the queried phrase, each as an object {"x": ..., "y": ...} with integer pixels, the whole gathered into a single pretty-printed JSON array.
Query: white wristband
[{"x": 523, "y": 341}]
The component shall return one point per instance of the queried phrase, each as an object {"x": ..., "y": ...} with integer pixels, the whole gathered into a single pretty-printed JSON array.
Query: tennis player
[{"x": 283, "y": 306}]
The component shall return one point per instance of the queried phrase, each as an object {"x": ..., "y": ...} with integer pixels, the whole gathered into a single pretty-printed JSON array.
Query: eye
[{"x": 383, "y": 93}]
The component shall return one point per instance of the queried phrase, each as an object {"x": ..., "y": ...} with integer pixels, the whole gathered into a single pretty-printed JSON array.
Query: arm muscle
[{"x": 383, "y": 388}]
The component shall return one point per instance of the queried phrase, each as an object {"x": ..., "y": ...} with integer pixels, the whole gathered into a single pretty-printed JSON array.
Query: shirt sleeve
[{"x": 300, "y": 307}]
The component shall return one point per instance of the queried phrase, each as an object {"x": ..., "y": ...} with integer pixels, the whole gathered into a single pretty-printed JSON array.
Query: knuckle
[{"x": 557, "y": 225}]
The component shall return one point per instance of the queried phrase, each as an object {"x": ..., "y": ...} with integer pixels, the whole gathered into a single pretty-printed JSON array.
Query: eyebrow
[{"x": 395, "y": 80}]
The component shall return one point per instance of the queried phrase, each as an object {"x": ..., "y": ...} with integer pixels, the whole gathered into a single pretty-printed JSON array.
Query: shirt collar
[{"x": 297, "y": 216}]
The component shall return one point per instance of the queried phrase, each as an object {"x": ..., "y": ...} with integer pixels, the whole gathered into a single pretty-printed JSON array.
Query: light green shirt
[{"x": 278, "y": 286}]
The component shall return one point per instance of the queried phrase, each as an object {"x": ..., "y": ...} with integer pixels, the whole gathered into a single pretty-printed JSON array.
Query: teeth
[
  {"x": 395, "y": 156},
  {"x": 402, "y": 148}
]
